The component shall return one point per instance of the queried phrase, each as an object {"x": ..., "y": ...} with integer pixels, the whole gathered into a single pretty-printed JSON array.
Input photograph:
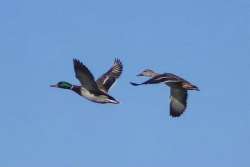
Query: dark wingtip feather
[
  {"x": 118, "y": 61},
  {"x": 175, "y": 114},
  {"x": 117, "y": 68},
  {"x": 76, "y": 62},
  {"x": 134, "y": 84}
]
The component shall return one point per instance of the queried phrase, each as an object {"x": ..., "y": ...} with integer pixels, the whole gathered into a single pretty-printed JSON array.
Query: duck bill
[
  {"x": 139, "y": 75},
  {"x": 54, "y": 86}
]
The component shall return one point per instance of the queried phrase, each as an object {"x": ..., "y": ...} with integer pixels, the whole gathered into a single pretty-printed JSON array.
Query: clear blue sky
[{"x": 206, "y": 42}]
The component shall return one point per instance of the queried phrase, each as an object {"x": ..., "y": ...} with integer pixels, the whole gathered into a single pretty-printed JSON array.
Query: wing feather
[
  {"x": 83, "y": 74},
  {"x": 178, "y": 101},
  {"x": 106, "y": 81}
]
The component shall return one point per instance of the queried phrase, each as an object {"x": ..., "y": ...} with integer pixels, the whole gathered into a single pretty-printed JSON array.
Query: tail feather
[
  {"x": 196, "y": 88},
  {"x": 189, "y": 86},
  {"x": 193, "y": 87}
]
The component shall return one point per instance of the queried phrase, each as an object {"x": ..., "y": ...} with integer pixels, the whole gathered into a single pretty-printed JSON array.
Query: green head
[{"x": 63, "y": 85}]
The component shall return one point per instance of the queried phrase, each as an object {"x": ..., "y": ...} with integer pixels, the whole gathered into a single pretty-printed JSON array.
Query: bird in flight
[
  {"x": 95, "y": 91},
  {"x": 178, "y": 89}
]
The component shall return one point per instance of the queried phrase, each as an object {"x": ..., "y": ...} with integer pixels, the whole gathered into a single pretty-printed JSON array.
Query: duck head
[
  {"x": 147, "y": 73},
  {"x": 63, "y": 85}
]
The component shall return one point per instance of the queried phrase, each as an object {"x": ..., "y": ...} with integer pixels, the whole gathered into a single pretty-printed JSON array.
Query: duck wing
[
  {"x": 183, "y": 83},
  {"x": 85, "y": 77},
  {"x": 162, "y": 78},
  {"x": 106, "y": 81},
  {"x": 178, "y": 101}
]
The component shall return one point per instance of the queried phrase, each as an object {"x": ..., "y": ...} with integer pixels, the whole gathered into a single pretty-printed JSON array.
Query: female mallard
[
  {"x": 178, "y": 89},
  {"x": 96, "y": 91}
]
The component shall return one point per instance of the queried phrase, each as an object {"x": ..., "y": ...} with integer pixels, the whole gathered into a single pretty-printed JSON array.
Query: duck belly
[{"x": 90, "y": 96}]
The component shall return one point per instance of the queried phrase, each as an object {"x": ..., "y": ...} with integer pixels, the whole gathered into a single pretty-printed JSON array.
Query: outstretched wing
[
  {"x": 108, "y": 79},
  {"x": 178, "y": 101},
  {"x": 162, "y": 78},
  {"x": 83, "y": 74}
]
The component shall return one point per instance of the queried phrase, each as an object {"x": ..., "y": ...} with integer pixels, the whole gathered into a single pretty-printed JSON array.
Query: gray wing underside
[
  {"x": 106, "y": 81},
  {"x": 178, "y": 101},
  {"x": 85, "y": 77}
]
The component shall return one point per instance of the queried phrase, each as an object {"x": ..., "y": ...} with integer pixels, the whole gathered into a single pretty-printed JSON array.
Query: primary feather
[{"x": 85, "y": 77}]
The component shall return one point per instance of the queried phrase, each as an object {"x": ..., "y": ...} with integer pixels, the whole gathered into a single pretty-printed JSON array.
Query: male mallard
[
  {"x": 96, "y": 91},
  {"x": 178, "y": 89}
]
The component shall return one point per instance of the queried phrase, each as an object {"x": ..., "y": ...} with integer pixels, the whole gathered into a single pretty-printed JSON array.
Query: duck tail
[
  {"x": 193, "y": 87},
  {"x": 190, "y": 87}
]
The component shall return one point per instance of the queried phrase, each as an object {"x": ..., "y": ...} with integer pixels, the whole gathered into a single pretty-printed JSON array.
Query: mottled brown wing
[
  {"x": 106, "y": 81},
  {"x": 161, "y": 78},
  {"x": 178, "y": 101},
  {"x": 83, "y": 74}
]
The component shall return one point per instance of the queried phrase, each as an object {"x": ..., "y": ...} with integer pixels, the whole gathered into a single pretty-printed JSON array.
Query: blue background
[{"x": 206, "y": 42}]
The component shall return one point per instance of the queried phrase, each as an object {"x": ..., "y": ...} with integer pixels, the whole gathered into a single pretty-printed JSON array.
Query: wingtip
[
  {"x": 118, "y": 61},
  {"x": 176, "y": 110},
  {"x": 175, "y": 115},
  {"x": 75, "y": 60},
  {"x": 77, "y": 63},
  {"x": 134, "y": 84}
]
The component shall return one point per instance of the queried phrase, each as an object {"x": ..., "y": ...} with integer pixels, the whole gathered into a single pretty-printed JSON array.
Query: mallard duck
[
  {"x": 178, "y": 89},
  {"x": 96, "y": 91}
]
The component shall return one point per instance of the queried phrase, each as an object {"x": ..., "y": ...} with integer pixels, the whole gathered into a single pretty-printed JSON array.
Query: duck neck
[{"x": 76, "y": 89}]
